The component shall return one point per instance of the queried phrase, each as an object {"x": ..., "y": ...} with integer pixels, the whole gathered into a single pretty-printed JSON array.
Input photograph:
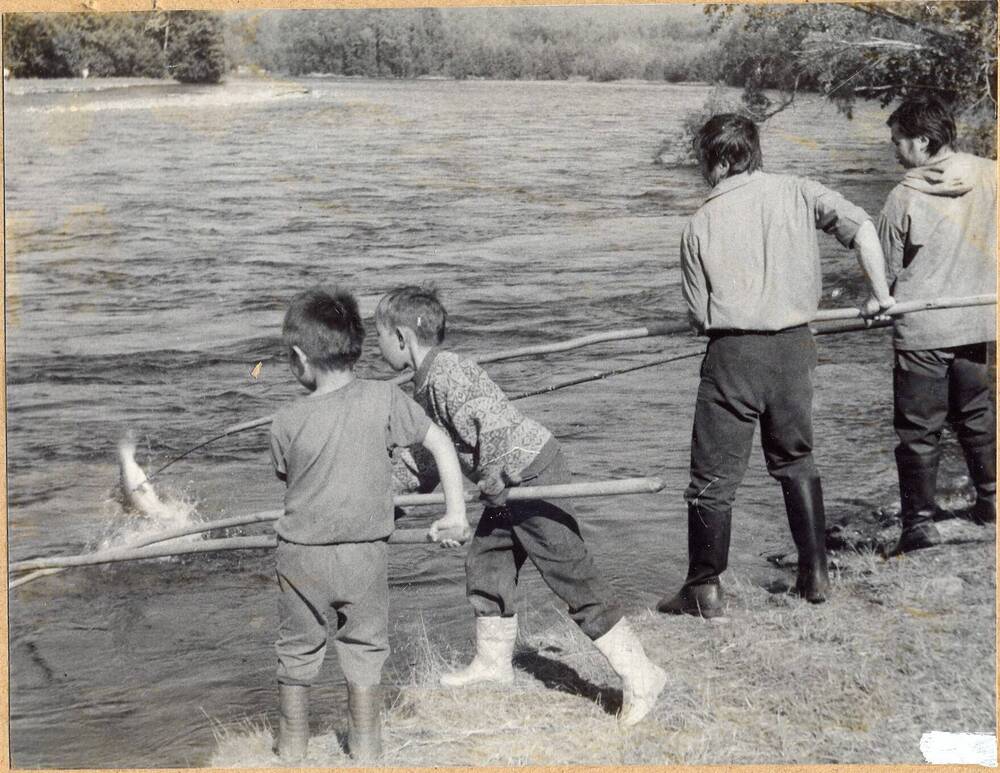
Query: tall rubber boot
[
  {"x": 917, "y": 486},
  {"x": 642, "y": 680},
  {"x": 708, "y": 556},
  {"x": 982, "y": 462},
  {"x": 495, "y": 637},
  {"x": 364, "y": 727},
  {"x": 807, "y": 520},
  {"x": 293, "y": 722}
]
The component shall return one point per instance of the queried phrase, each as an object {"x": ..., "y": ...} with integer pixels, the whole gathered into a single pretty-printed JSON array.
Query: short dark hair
[
  {"x": 417, "y": 308},
  {"x": 924, "y": 115},
  {"x": 732, "y": 138},
  {"x": 326, "y": 325}
]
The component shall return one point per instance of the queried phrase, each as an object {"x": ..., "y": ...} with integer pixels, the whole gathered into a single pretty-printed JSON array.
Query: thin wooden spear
[
  {"x": 655, "y": 329},
  {"x": 604, "y": 374}
]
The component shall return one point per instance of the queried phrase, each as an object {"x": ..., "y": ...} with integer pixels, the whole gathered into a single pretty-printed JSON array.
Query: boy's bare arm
[
  {"x": 872, "y": 262},
  {"x": 454, "y": 521}
]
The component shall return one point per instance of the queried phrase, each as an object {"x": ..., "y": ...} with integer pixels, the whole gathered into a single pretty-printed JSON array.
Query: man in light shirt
[{"x": 752, "y": 282}]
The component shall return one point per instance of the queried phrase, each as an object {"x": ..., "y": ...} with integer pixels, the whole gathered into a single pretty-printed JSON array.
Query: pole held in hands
[
  {"x": 651, "y": 330},
  {"x": 149, "y": 548},
  {"x": 909, "y": 307}
]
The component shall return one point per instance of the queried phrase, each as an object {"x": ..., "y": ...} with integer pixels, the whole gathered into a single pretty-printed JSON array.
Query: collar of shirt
[
  {"x": 420, "y": 377},
  {"x": 729, "y": 184}
]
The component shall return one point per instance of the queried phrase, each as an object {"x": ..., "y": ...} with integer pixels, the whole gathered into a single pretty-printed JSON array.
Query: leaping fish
[{"x": 139, "y": 495}]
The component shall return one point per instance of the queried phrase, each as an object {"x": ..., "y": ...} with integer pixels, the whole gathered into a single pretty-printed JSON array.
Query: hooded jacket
[{"x": 939, "y": 234}]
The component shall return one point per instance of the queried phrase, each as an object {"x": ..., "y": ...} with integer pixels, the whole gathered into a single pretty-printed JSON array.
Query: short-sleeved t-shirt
[
  {"x": 334, "y": 450},
  {"x": 749, "y": 255}
]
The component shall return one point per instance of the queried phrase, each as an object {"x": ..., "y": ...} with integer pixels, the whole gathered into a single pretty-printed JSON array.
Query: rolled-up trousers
[
  {"x": 548, "y": 534},
  {"x": 346, "y": 584}
]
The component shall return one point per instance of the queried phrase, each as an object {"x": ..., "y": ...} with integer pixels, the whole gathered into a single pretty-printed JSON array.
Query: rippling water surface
[{"x": 154, "y": 234}]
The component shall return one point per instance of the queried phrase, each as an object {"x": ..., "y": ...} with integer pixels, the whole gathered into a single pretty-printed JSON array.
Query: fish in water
[{"x": 139, "y": 496}]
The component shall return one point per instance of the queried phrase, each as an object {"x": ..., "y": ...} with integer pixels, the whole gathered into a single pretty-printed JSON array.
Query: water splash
[{"x": 137, "y": 513}]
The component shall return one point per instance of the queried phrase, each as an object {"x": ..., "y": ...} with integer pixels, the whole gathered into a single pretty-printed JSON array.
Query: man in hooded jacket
[{"x": 938, "y": 233}]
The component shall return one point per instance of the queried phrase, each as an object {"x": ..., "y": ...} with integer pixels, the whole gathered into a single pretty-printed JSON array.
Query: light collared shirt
[{"x": 749, "y": 255}]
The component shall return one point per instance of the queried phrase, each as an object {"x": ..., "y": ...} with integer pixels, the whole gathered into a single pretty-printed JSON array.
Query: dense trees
[
  {"x": 185, "y": 44},
  {"x": 65, "y": 46},
  {"x": 866, "y": 51},
  {"x": 508, "y": 43},
  {"x": 844, "y": 51},
  {"x": 194, "y": 47}
]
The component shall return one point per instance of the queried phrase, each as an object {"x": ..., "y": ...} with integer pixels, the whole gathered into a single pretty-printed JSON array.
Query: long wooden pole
[
  {"x": 909, "y": 307},
  {"x": 655, "y": 329},
  {"x": 604, "y": 374},
  {"x": 148, "y": 548}
]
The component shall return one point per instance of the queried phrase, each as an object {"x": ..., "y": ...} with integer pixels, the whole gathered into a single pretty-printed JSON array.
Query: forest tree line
[
  {"x": 845, "y": 52},
  {"x": 186, "y": 45}
]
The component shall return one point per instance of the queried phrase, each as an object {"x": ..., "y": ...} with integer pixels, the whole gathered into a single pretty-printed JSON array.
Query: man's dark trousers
[
  {"x": 746, "y": 377},
  {"x": 930, "y": 387}
]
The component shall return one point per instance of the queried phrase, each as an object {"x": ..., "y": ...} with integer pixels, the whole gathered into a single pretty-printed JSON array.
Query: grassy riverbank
[{"x": 904, "y": 646}]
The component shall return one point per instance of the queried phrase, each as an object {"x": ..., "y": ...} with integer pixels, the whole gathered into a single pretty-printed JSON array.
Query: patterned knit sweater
[{"x": 494, "y": 441}]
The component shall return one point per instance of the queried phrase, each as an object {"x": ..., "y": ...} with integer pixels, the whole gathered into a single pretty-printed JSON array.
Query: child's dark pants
[
  {"x": 746, "y": 377},
  {"x": 549, "y": 535}
]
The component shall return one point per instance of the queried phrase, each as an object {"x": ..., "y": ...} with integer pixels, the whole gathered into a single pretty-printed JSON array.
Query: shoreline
[{"x": 898, "y": 650}]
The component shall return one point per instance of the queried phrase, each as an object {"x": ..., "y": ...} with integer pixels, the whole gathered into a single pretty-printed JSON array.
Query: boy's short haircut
[
  {"x": 925, "y": 116},
  {"x": 417, "y": 308},
  {"x": 731, "y": 138},
  {"x": 326, "y": 325}
]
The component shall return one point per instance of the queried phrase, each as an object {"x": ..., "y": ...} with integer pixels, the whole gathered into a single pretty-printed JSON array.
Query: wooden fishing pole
[
  {"x": 148, "y": 547},
  {"x": 654, "y": 329},
  {"x": 604, "y": 374},
  {"x": 909, "y": 307}
]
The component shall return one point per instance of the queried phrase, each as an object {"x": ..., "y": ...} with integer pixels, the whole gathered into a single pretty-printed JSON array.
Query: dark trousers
[
  {"x": 746, "y": 378},
  {"x": 549, "y": 535},
  {"x": 346, "y": 584},
  {"x": 955, "y": 385}
]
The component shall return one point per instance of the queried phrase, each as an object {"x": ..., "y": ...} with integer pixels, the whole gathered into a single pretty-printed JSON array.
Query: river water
[{"x": 155, "y": 233}]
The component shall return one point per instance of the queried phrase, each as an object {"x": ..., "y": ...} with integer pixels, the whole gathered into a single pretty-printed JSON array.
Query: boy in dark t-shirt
[{"x": 332, "y": 448}]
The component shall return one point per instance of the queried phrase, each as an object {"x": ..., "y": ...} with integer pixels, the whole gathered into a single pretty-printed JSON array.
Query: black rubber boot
[
  {"x": 293, "y": 723},
  {"x": 705, "y": 600},
  {"x": 917, "y": 486},
  {"x": 807, "y": 520},
  {"x": 982, "y": 462},
  {"x": 708, "y": 554},
  {"x": 364, "y": 730}
]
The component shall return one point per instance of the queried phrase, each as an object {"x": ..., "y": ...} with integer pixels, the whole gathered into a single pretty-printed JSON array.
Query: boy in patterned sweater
[{"x": 499, "y": 448}]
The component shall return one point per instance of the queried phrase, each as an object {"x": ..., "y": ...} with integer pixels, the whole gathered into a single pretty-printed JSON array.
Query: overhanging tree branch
[{"x": 879, "y": 11}]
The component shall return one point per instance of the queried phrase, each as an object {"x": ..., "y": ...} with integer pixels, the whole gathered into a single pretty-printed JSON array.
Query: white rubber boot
[
  {"x": 642, "y": 680},
  {"x": 495, "y": 637}
]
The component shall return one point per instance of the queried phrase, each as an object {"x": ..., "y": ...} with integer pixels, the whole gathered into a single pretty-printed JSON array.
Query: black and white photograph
[{"x": 500, "y": 386}]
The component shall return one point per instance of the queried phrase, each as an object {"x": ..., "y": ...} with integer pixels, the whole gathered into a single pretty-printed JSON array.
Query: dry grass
[{"x": 903, "y": 647}]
